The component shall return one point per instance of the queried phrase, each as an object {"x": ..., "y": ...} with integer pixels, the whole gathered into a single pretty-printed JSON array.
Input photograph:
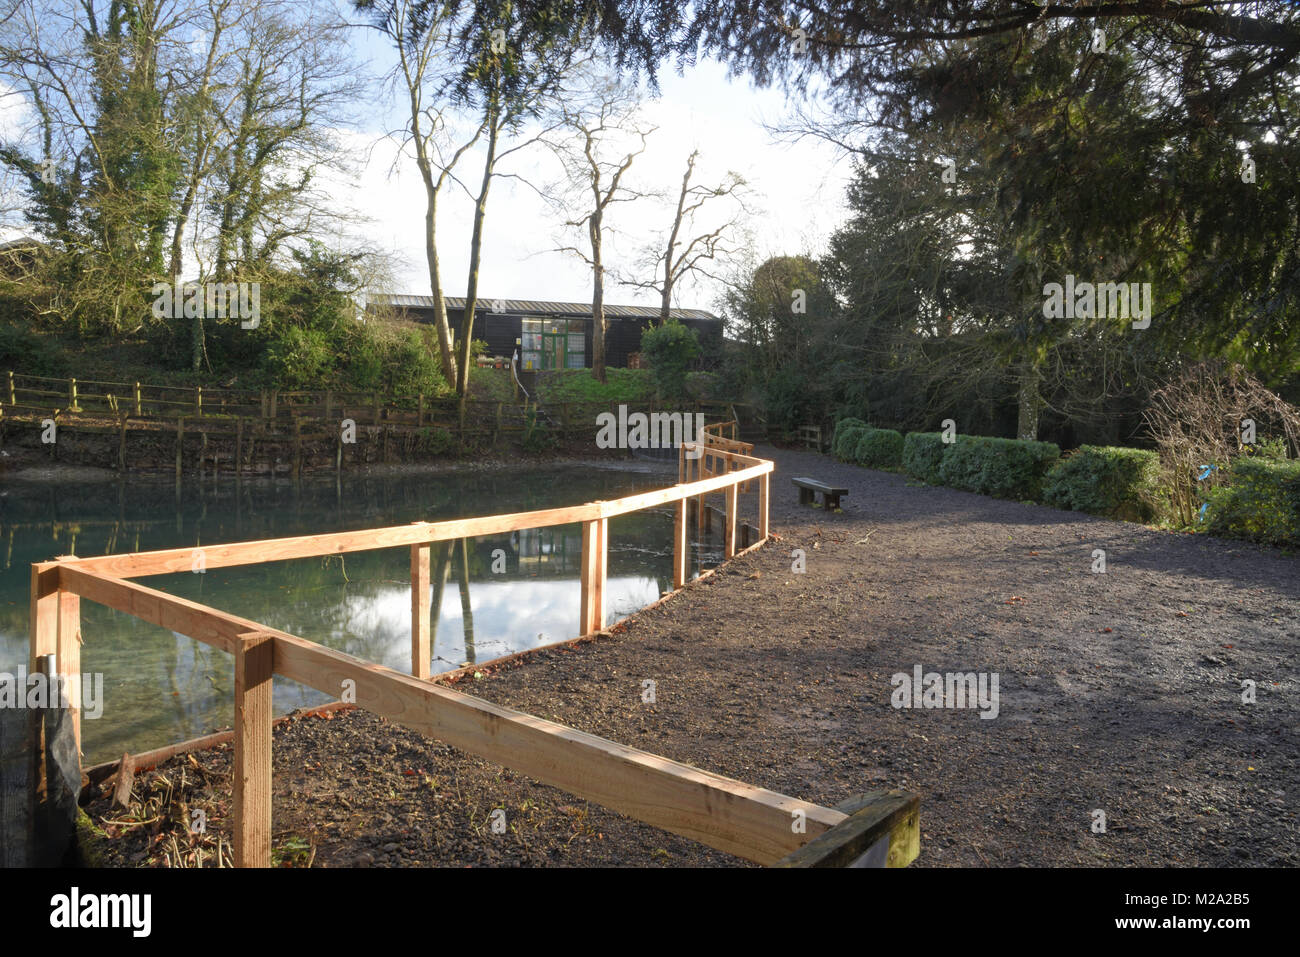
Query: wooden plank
[
  {"x": 68, "y": 655},
  {"x": 125, "y": 782},
  {"x": 883, "y": 831},
  {"x": 729, "y": 529},
  {"x": 590, "y": 610},
  {"x": 44, "y": 610},
  {"x": 681, "y": 545},
  {"x": 334, "y": 543},
  {"x": 643, "y": 500},
  {"x": 305, "y": 546},
  {"x": 734, "y": 817},
  {"x": 421, "y": 647},
  {"x": 254, "y": 667},
  {"x": 175, "y": 614}
]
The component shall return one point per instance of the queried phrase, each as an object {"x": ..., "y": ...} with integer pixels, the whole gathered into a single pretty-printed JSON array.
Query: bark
[
  {"x": 475, "y": 255},
  {"x": 597, "y": 297},
  {"x": 1030, "y": 399}
]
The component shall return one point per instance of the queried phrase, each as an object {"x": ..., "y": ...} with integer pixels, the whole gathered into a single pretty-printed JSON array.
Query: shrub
[
  {"x": 1005, "y": 468},
  {"x": 668, "y": 349},
  {"x": 1115, "y": 482},
  {"x": 880, "y": 449},
  {"x": 923, "y": 454},
  {"x": 840, "y": 446},
  {"x": 538, "y": 436},
  {"x": 435, "y": 440},
  {"x": 847, "y": 434},
  {"x": 1261, "y": 502},
  {"x": 25, "y": 352}
]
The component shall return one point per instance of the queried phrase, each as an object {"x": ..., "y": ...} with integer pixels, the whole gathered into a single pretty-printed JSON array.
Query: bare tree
[
  {"x": 605, "y": 126},
  {"x": 678, "y": 256},
  {"x": 420, "y": 37}
]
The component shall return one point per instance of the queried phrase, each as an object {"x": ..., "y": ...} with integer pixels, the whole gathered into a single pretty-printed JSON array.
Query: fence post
[
  {"x": 374, "y": 401},
  {"x": 419, "y": 415},
  {"x": 679, "y": 545},
  {"x": 329, "y": 404},
  {"x": 121, "y": 442},
  {"x": 12, "y": 400},
  {"x": 421, "y": 650},
  {"x": 67, "y": 655},
  {"x": 729, "y": 533},
  {"x": 762, "y": 505},
  {"x": 254, "y": 666},
  {"x": 592, "y": 612},
  {"x": 72, "y": 396},
  {"x": 275, "y": 396},
  {"x": 198, "y": 401},
  {"x": 42, "y": 640},
  {"x": 180, "y": 443},
  {"x": 138, "y": 412}
]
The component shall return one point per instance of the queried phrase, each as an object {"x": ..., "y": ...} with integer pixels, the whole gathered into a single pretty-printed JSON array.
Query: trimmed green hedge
[
  {"x": 844, "y": 443},
  {"x": 1004, "y": 468},
  {"x": 1106, "y": 480},
  {"x": 879, "y": 449},
  {"x": 923, "y": 454},
  {"x": 1261, "y": 502}
]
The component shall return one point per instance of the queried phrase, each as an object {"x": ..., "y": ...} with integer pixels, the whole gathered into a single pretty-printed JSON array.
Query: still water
[{"x": 491, "y": 596}]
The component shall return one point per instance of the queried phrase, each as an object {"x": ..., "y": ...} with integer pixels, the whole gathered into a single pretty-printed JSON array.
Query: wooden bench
[{"x": 809, "y": 488}]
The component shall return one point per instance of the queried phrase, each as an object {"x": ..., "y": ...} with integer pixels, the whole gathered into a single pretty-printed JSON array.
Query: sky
[
  {"x": 797, "y": 197},
  {"x": 796, "y": 194}
]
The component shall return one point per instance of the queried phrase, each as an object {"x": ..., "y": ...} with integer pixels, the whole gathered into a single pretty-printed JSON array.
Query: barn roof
[{"x": 538, "y": 307}]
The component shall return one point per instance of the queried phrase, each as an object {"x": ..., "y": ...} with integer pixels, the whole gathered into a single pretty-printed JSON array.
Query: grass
[{"x": 579, "y": 385}]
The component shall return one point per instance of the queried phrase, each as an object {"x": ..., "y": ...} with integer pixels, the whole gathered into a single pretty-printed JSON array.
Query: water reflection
[{"x": 513, "y": 591}]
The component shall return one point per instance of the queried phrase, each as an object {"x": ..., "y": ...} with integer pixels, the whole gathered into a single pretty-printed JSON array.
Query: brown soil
[{"x": 1118, "y": 691}]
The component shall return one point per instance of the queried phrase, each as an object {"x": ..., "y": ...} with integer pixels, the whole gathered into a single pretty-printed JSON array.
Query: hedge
[
  {"x": 1261, "y": 502},
  {"x": 1106, "y": 480},
  {"x": 1004, "y": 468},
  {"x": 879, "y": 449},
  {"x": 844, "y": 442},
  {"x": 923, "y": 454}
]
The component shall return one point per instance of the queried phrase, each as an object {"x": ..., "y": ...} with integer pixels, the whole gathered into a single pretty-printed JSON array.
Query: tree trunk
[
  {"x": 597, "y": 301},
  {"x": 435, "y": 276},
  {"x": 466, "y": 608},
  {"x": 1030, "y": 400},
  {"x": 475, "y": 255}
]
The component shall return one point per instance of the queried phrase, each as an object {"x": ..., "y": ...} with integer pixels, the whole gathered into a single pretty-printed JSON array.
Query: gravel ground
[{"x": 1119, "y": 692}]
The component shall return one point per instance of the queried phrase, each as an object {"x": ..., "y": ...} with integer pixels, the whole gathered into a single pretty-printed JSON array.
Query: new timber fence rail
[{"x": 750, "y": 822}]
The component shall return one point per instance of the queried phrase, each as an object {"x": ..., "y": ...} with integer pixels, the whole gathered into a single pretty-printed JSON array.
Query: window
[{"x": 552, "y": 344}]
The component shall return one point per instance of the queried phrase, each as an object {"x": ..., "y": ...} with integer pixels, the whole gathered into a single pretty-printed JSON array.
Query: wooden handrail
[{"x": 751, "y": 822}]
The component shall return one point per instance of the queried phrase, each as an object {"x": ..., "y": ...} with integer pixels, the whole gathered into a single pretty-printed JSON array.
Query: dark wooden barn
[{"x": 555, "y": 335}]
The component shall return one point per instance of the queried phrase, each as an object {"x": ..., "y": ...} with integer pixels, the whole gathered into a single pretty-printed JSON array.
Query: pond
[{"x": 491, "y": 595}]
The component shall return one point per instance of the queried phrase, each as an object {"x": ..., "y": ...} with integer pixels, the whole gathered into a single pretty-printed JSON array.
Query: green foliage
[
  {"x": 1115, "y": 482},
  {"x": 580, "y": 385},
  {"x": 702, "y": 385},
  {"x": 538, "y": 436},
  {"x": 1004, "y": 468},
  {"x": 1260, "y": 503},
  {"x": 435, "y": 440},
  {"x": 788, "y": 400},
  {"x": 880, "y": 449},
  {"x": 669, "y": 348},
  {"x": 923, "y": 455},
  {"x": 844, "y": 440},
  {"x": 844, "y": 425},
  {"x": 23, "y": 351}
]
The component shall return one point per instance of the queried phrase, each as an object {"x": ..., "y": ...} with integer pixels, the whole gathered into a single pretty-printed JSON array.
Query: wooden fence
[
  {"x": 750, "y": 822},
  {"x": 223, "y": 429}
]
